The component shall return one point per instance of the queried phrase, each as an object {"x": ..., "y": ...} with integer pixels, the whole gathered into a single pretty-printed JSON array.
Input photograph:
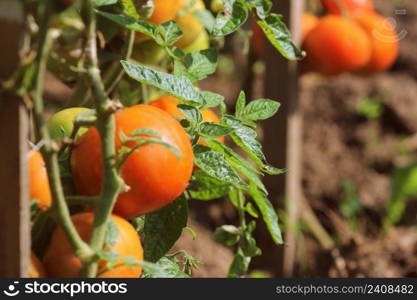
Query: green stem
[
  {"x": 116, "y": 73},
  {"x": 59, "y": 208},
  {"x": 106, "y": 126}
]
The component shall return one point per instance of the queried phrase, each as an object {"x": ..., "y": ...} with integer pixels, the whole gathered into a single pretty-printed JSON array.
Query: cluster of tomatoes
[
  {"x": 352, "y": 37},
  {"x": 153, "y": 174}
]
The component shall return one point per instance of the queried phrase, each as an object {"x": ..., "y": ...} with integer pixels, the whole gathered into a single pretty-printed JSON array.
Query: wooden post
[
  {"x": 283, "y": 134},
  {"x": 14, "y": 204}
]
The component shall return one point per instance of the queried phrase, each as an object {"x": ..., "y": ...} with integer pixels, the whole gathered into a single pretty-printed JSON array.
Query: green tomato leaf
[
  {"x": 280, "y": 37},
  {"x": 240, "y": 104},
  {"x": 240, "y": 265},
  {"x": 211, "y": 99},
  {"x": 261, "y": 109},
  {"x": 129, "y": 8},
  {"x": 163, "y": 228},
  {"x": 98, "y": 3},
  {"x": 235, "y": 14},
  {"x": 166, "y": 267},
  {"x": 181, "y": 87},
  {"x": 227, "y": 235},
  {"x": 191, "y": 113},
  {"x": 131, "y": 23},
  {"x": 268, "y": 213},
  {"x": 262, "y": 7},
  {"x": 204, "y": 187},
  {"x": 170, "y": 32},
  {"x": 215, "y": 165},
  {"x": 213, "y": 130}
]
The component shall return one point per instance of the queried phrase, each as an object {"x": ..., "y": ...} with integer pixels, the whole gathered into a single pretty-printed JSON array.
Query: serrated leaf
[
  {"x": 268, "y": 213},
  {"x": 214, "y": 164},
  {"x": 181, "y": 88},
  {"x": 213, "y": 130},
  {"x": 131, "y": 23},
  {"x": 98, "y": 3},
  {"x": 240, "y": 104},
  {"x": 164, "y": 268},
  {"x": 260, "y": 109},
  {"x": 199, "y": 64},
  {"x": 240, "y": 265},
  {"x": 129, "y": 8},
  {"x": 204, "y": 187},
  {"x": 262, "y": 7},
  {"x": 191, "y": 113},
  {"x": 280, "y": 37},
  {"x": 163, "y": 228},
  {"x": 170, "y": 32},
  {"x": 227, "y": 235},
  {"x": 236, "y": 13},
  {"x": 211, "y": 99}
]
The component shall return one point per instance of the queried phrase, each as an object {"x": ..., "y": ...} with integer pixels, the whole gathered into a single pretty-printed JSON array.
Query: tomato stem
[
  {"x": 59, "y": 209},
  {"x": 106, "y": 125}
]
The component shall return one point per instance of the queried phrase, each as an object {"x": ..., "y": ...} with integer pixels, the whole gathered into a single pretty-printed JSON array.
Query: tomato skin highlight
[
  {"x": 154, "y": 174},
  {"x": 336, "y": 45},
  {"x": 61, "y": 262},
  {"x": 39, "y": 188}
]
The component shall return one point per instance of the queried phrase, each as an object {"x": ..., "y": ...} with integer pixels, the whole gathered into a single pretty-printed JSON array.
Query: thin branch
[
  {"x": 59, "y": 208},
  {"x": 112, "y": 184}
]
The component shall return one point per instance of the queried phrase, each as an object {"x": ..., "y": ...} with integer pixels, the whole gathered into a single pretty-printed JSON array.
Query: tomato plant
[{"x": 117, "y": 167}]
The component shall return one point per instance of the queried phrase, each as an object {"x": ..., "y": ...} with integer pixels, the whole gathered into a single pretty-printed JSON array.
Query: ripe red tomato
[
  {"x": 154, "y": 174},
  {"x": 384, "y": 41},
  {"x": 38, "y": 180},
  {"x": 60, "y": 260},
  {"x": 336, "y": 45}
]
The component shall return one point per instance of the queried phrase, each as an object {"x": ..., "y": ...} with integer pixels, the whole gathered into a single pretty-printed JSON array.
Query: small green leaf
[
  {"x": 280, "y": 37},
  {"x": 261, "y": 109},
  {"x": 191, "y": 113},
  {"x": 235, "y": 14},
  {"x": 215, "y": 165},
  {"x": 211, "y": 99},
  {"x": 213, "y": 130},
  {"x": 227, "y": 235},
  {"x": 268, "y": 213},
  {"x": 129, "y": 8},
  {"x": 248, "y": 246},
  {"x": 131, "y": 23},
  {"x": 251, "y": 210},
  {"x": 166, "y": 267},
  {"x": 204, "y": 187},
  {"x": 199, "y": 64},
  {"x": 181, "y": 88},
  {"x": 262, "y": 7},
  {"x": 98, "y": 3},
  {"x": 240, "y": 104},
  {"x": 170, "y": 32},
  {"x": 240, "y": 265},
  {"x": 163, "y": 228}
]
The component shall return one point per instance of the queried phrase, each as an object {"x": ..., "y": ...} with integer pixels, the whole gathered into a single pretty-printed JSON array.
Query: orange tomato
[
  {"x": 154, "y": 174},
  {"x": 60, "y": 260},
  {"x": 384, "y": 41},
  {"x": 36, "y": 269},
  {"x": 336, "y": 45},
  {"x": 170, "y": 105},
  {"x": 164, "y": 11},
  {"x": 309, "y": 21},
  {"x": 38, "y": 180},
  {"x": 352, "y": 7}
]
